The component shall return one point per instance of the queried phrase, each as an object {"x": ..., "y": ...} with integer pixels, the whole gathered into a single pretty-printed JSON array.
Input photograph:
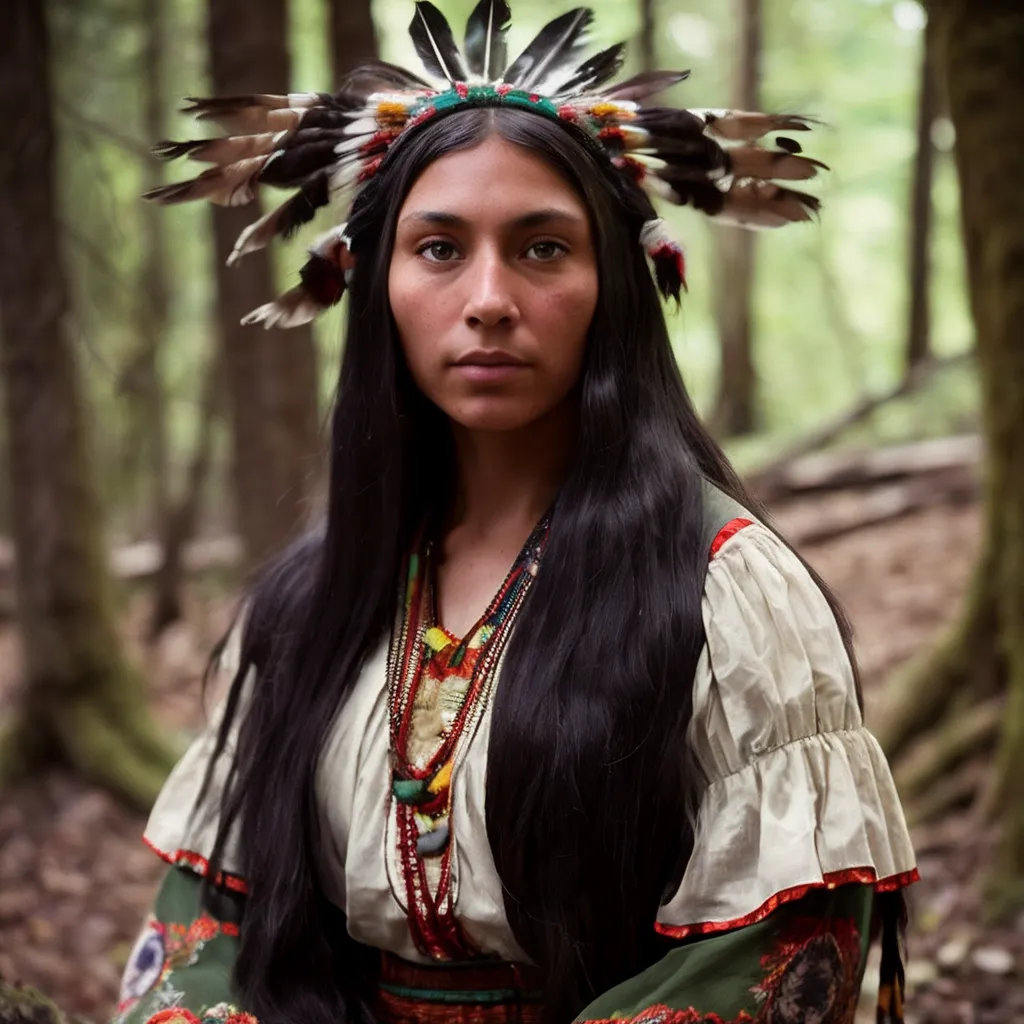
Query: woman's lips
[{"x": 484, "y": 366}]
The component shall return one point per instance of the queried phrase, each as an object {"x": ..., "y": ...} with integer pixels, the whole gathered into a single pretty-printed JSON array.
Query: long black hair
[{"x": 589, "y": 786}]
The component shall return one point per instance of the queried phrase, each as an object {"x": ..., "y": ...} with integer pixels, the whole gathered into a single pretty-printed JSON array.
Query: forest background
[{"x": 862, "y": 371}]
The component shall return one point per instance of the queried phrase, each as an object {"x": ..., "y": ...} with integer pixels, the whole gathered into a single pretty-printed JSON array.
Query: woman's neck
[{"x": 508, "y": 479}]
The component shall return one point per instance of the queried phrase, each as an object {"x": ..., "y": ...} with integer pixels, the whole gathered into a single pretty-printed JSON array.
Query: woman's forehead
[{"x": 496, "y": 180}]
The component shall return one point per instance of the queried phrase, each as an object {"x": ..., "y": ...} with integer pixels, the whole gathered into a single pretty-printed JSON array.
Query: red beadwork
[{"x": 431, "y": 916}]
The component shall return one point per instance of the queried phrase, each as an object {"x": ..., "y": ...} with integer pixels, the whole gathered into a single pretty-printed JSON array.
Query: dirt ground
[{"x": 75, "y": 880}]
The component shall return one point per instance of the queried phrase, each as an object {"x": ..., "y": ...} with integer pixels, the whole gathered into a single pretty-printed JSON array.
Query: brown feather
[
  {"x": 748, "y": 126},
  {"x": 757, "y": 162},
  {"x": 762, "y": 204}
]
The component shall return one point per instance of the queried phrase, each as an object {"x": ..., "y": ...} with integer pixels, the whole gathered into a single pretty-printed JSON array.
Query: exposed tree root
[
  {"x": 965, "y": 661},
  {"x": 955, "y": 739},
  {"x": 20, "y": 1005},
  {"x": 957, "y": 790},
  {"x": 112, "y": 743}
]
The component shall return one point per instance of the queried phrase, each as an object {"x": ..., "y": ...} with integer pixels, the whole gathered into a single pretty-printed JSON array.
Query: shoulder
[{"x": 774, "y": 669}]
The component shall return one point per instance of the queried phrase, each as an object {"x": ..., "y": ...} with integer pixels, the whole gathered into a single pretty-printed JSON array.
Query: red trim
[
  {"x": 865, "y": 876},
  {"x": 726, "y": 532},
  {"x": 198, "y": 863}
]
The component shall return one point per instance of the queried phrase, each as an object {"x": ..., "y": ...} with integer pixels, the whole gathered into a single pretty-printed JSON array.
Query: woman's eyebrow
[{"x": 533, "y": 219}]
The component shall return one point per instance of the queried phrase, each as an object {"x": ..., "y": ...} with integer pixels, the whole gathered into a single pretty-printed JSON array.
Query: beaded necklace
[{"x": 421, "y": 788}]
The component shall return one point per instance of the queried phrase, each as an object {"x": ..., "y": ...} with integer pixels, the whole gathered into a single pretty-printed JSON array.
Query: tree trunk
[
  {"x": 921, "y": 209},
  {"x": 648, "y": 46},
  {"x": 978, "y": 53},
  {"x": 82, "y": 705},
  {"x": 154, "y": 288},
  {"x": 271, "y": 376},
  {"x": 735, "y": 408},
  {"x": 353, "y": 38}
]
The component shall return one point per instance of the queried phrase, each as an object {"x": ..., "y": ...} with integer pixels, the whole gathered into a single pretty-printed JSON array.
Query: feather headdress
[{"x": 325, "y": 147}]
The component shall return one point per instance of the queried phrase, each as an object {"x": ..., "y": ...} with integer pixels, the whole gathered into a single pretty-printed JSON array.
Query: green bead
[{"x": 409, "y": 791}]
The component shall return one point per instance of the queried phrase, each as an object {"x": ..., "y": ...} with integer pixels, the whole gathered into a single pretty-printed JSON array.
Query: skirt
[{"x": 469, "y": 993}]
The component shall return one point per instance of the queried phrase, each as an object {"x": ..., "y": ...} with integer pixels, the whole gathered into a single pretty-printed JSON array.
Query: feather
[
  {"x": 294, "y": 308},
  {"x": 670, "y": 122},
  {"x": 789, "y": 145},
  {"x": 288, "y": 167},
  {"x": 757, "y": 162},
  {"x": 647, "y": 83},
  {"x": 244, "y": 115},
  {"x": 486, "y": 47},
  {"x": 556, "y": 47},
  {"x": 232, "y": 185},
  {"x": 220, "y": 151},
  {"x": 435, "y": 44},
  {"x": 596, "y": 71},
  {"x": 322, "y": 286},
  {"x": 284, "y": 220},
  {"x": 762, "y": 204},
  {"x": 690, "y": 190},
  {"x": 376, "y": 76},
  {"x": 749, "y": 126}
]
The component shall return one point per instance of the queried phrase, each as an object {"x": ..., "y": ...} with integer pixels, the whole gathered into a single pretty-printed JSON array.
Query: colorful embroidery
[
  {"x": 812, "y": 976},
  {"x": 667, "y": 1015},
  {"x": 422, "y": 657},
  {"x": 222, "y": 1013},
  {"x": 161, "y": 950}
]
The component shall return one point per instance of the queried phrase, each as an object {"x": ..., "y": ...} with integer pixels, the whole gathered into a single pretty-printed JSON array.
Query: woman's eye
[
  {"x": 438, "y": 252},
  {"x": 546, "y": 251}
]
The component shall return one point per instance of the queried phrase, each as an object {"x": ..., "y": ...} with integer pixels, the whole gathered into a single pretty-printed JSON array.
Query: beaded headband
[{"x": 328, "y": 146}]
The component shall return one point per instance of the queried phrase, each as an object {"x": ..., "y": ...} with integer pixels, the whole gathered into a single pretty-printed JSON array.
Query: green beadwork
[
  {"x": 486, "y": 95},
  {"x": 409, "y": 791}
]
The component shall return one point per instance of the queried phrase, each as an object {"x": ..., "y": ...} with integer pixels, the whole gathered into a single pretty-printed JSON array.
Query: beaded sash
[{"x": 422, "y": 653}]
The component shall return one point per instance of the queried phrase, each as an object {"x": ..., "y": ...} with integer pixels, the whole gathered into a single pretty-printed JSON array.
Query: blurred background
[{"x": 863, "y": 372}]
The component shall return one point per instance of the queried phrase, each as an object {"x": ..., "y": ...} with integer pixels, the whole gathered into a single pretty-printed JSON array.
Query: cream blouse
[{"x": 799, "y": 793}]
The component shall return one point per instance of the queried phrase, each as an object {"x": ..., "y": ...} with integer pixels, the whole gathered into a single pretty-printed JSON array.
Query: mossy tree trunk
[
  {"x": 736, "y": 403},
  {"x": 353, "y": 36},
  {"x": 980, "y": 57},
  {"x": 82, "y": 704},
  {"x": 270, "y": 376}
]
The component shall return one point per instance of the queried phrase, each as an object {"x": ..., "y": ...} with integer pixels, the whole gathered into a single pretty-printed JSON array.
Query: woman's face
[{"x": 493, "y": 284}]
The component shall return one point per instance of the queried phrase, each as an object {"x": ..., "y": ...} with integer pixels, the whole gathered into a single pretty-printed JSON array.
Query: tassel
[
  {"x": 667, "y": 256},
  {"x": 891, "y": 977}
]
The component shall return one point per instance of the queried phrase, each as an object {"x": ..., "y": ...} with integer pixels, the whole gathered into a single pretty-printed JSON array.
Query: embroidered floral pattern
[
  {"x": 161, "y": 950},
  {"x": 812, "y": 976},
  {"x": 222, "y": 1013}
]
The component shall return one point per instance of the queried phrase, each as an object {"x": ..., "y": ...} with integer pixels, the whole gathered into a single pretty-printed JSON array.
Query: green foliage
[{"x": 830, "y": 297}]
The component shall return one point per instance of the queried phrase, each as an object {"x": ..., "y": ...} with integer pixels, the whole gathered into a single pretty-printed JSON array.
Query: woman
[{"x": 627, "y": 776}]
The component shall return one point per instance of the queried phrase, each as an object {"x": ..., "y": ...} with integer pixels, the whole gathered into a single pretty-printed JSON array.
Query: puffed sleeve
[
  {"x": 180, "y": 832},
  {"x": 799, "y": 795}
]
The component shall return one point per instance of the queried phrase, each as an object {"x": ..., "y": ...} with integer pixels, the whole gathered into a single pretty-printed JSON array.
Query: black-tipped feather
[
  {"x": 167, "y": 149},
  {"x": 695, "y": 192},
  {"x": 486, "y": 46},
  {"x": 670, "y": 121},
  {"x": 556, "y": 48},
  {"x": 595, "y": 72},
  {"x": 435, "y": 44},
  {"x": 302, "y": 207},
  {"x": 376, "y": 76},
  {"x": 288, "y": 167},
  {"x": 647, "y": 83}
]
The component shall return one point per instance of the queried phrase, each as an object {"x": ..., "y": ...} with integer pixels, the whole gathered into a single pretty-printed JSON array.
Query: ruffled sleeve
[
  {"x": 178, "y": 831},
  {"x": 798, "y": 793}
]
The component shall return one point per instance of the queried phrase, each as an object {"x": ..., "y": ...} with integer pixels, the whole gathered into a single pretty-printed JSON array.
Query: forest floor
[{"x": 76, "y": 882}]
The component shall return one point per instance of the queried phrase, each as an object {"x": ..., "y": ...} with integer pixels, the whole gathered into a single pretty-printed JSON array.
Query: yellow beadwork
[
  {"x": 441, "y": 780},
  {"x": 436, "y": 639}
]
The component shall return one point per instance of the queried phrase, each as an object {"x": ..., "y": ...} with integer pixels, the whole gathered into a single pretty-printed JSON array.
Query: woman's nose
[{"x": 491, "y": 301}]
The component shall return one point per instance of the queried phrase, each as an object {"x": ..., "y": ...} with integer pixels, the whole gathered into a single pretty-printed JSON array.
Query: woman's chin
[{"x": 493, "y": 414}]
